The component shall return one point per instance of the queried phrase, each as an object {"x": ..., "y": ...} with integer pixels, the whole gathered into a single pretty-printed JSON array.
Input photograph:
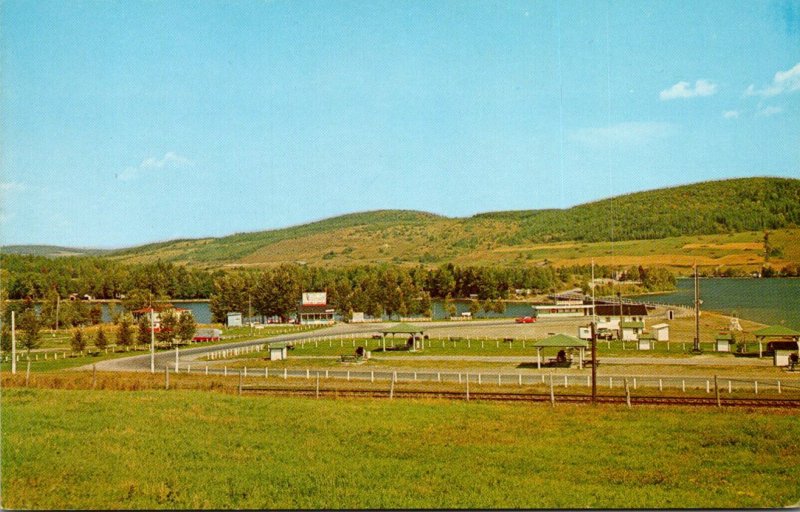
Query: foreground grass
[{"x": 180, "y": 449}]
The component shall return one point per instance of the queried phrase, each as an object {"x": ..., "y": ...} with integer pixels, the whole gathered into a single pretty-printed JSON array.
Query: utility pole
[
  {"x": 152, "y": 340},
  {"x": 13, "y": 345},
  {"x": 594, "y": 363},
  {"x": 250, "y": 313},
  {"x": 697, "y": 303},
  {"x": 58, "y": 303}
]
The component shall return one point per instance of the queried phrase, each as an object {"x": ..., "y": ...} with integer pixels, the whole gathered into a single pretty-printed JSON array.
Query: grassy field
[{"x": 179, "y": 449}]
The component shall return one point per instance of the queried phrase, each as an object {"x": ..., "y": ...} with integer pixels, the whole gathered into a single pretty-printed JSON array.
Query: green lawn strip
[{"x": 103, "y": 449}]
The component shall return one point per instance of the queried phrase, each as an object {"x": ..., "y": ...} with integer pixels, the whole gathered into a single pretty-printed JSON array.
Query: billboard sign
[{"x": 315, "y": 299}]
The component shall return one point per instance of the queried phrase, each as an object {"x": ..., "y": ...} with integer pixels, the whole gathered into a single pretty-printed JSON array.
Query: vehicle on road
[{"x": 525, "y": 320}]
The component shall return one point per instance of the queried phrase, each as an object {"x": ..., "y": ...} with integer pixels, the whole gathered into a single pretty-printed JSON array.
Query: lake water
[
  {"x": 769, "y": 301},
  {"x": 202, "y": 312}
]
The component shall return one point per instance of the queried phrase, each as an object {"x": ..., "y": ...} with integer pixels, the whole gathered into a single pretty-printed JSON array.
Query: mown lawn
[{"x": 199, "y": 449}]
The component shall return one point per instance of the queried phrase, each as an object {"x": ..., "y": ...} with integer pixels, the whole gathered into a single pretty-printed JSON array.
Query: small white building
[
  {"x": 278, "y": 352},
  {"x": 585, "y": 332},
  {"x": 723, "y": 341},
  {"x": 630, "y": 331},
  {"x": 660, "y": 332},
  {"x": 358, "y": 317},
  {"x": 234, "y": 319},
  {"x": 646, "y": 341}
]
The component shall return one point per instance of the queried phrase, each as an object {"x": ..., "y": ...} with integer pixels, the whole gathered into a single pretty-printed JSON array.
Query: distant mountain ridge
[{"x": 722, "y": 207}]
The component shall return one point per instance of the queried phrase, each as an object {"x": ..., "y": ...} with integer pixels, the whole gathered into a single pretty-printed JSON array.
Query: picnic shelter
[
  {"x": 414, "y": 331},
  {"x": 561, "y": 341}
]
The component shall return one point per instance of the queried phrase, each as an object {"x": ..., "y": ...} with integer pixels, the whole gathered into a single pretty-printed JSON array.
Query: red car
[{"x": 525, "y": 320}]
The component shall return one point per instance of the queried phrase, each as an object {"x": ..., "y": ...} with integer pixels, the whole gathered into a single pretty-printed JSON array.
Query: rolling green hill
[
  {"x": 50, "y": 250},
  {"x": 713, "y": 223}
]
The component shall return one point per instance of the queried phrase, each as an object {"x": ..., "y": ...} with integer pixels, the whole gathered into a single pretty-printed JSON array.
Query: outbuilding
[
  {"x": 630, "y": 331},
  {"x": 278, "y": 351},
  {"x": 647, "y": 341},
  {"x": 776, "y": 333},
  {"x": 723, "y": 342},
  {"x": 234, "y": 319},
  {"x": 660, "y": 332},
  {"x": 561, "y": 341}
]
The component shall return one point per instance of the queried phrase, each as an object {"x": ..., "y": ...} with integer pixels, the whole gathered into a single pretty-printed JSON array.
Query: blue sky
[{"x": 130, "y": 122}]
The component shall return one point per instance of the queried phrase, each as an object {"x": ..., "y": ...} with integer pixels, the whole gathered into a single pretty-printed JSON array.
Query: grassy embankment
[{"x": 189, "y": 449}]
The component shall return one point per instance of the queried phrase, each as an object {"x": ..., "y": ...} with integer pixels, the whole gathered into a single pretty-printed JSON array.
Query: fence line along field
[{"x": 178, "y": 449}]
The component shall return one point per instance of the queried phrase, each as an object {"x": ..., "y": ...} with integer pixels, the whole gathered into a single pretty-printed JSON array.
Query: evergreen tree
[
  {"x": 124, "y": 334},
  {"x": 143, "y": 330},
  {"x": 100, "y": 340},
  {"x": 167, "y": 326},
  {"x": 78, "y": 342},
  {"x": 186, "y": 327}
]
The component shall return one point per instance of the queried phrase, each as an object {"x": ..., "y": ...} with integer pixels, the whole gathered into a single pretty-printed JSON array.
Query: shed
[
  {"x": 560, "y": 341},
  {"x": 234, "y": 319},
  {"x": 630, "y": 331},
  {"x": 278, "y": 351},
  {"x": 660, "y": 332},
  {"x": 647, "y": 341},
  {"x": 405, "y": 328},
  {"x": 775, "y": 333},
  {"x": 723, "y": 342}
]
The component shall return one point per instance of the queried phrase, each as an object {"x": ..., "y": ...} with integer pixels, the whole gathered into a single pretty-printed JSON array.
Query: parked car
[{"x": 525, "y": 320}]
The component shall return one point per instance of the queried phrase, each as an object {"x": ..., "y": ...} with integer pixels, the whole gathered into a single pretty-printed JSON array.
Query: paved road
[
  {"x": 500, "y": 327},
  {"x": 164, "y": 358}
]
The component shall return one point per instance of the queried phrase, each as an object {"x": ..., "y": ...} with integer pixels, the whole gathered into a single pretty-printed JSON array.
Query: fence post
[
  {"x": 520, "y": 378},
  {"x": 166, "y": 377},
  {"x": 245, "y": 371},
  {"x": 565, "y": 380},
  {"x": 391, "y": 389},
  {"x": 716, "y": 391},
  {"x": 240, "y": 383},
  {"x": 708, "y": 386},
  {"x": 779, "y": 387},
  {"x": 730, "y": 387},
  {"x": 634, "y": 383},
  {"x": 755, "y": 386},
  {"x": 317, "y": 384},
  {"x": 308, "y": 374},
  {"x": 660, "y": 385},
  {"x": 225, "y": 371},
  {"x": 627, "y": 393},
  {"x": 28, "y": 373},
  {"x": 610, "y": 382},
  {"x": 479, "y": 378},
  {"x": 285, "y": 374},
  {"x": 467, "y": 387},
  {"x": 371, "y": 375},
  {"x": 552, "y": 394},
  {"x": 206, "y": 369},
  {"x": 683, "y": 385}
]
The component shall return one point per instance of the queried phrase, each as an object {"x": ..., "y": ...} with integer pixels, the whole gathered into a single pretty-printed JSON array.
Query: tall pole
[
  {"x": 58, "y": 303},
  {"x": 594, "y": 363},
  {"x": 594, "y": 314},
  {"x": 13, "y": 345},
  {"x": 696, "y": 311},
  {"x": 250, "y": 313},
  {"x": 152, "y": 341}
]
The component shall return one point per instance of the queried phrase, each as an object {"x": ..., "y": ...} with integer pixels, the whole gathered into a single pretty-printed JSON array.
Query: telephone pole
[
  {"x": 697, "y": 303},
  {"x": 152, "y": 340},
  {"x": 13, "y": 345}
]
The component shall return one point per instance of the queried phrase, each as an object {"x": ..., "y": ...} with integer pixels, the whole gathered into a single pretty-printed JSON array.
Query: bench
[{"x": 588, "y": 363}]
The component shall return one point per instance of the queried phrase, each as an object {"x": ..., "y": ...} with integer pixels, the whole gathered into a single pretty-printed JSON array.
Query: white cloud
[
  {"x": 731, "y": 114},
  {"x": 769, "y": 111},
  {"x": 685, "y": 90},
  {"x": 170, "y": 160},
  {"x": 783, "y": 82},
  {"x": 10, "y": 186},
  {"x": 622, "y": 134}
]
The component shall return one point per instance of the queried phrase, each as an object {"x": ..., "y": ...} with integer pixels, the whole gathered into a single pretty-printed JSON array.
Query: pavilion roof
[
  {"x": 561, "y": 340},
  {"x": 402, "y": 328},
  {"x": 775, "y": 330}
]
